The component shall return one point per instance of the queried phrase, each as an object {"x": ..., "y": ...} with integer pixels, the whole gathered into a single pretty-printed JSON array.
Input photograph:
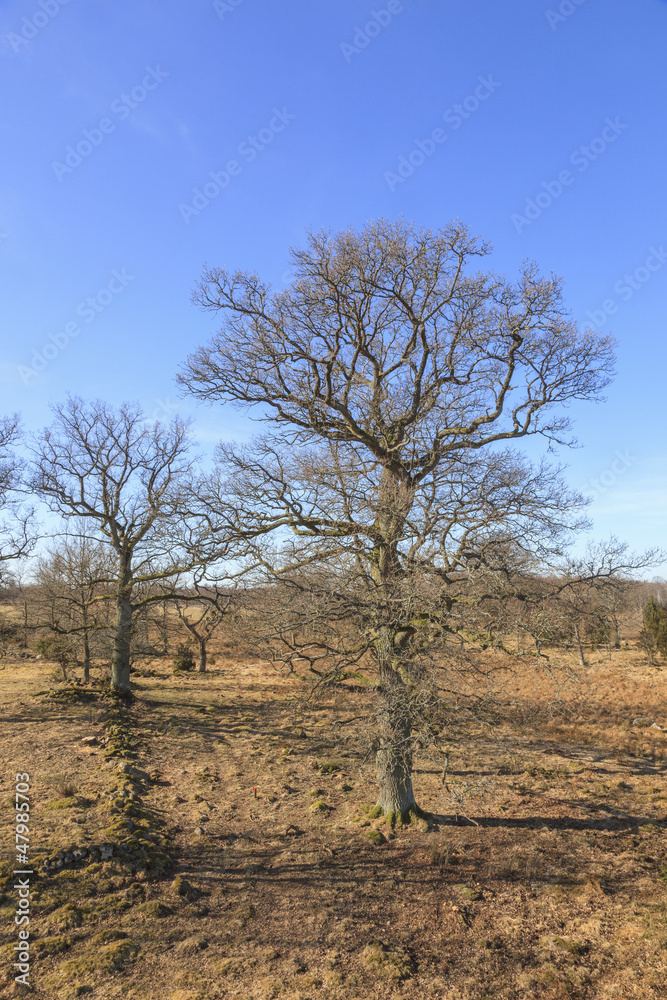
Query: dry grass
[{"x": 559, "y": 891}]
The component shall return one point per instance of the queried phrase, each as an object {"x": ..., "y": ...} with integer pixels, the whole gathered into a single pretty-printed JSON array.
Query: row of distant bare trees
[
  {"x": 64, "y": 607},
  {"x": 384, "y": 522}
]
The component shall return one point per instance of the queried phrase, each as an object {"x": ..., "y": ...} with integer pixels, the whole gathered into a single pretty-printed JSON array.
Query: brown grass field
[{"x": 251, "y": 865}]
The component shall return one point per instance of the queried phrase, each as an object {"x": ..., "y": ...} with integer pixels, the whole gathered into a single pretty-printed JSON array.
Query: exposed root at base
[
  {"x": 122, "y": 695},
  {"x": 394, "y": 818}
]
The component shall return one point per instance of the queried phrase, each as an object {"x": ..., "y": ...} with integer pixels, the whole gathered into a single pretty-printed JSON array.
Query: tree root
[
  {"x": 412, "y": 815},
  {"x": 122, "y": 695}
]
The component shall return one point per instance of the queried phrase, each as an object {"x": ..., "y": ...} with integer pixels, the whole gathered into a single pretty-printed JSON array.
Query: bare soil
[{"x": 541, "y": 874}]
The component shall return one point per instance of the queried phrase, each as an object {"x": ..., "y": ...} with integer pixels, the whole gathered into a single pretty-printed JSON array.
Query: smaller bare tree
[
  {"x": 72, "y": 594},
  {"x": 125, "y": 478},
  {"x": 203, "y": 616}
]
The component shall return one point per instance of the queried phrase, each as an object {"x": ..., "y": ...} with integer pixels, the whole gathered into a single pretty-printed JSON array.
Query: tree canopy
[{"x": 392, "y": 377}]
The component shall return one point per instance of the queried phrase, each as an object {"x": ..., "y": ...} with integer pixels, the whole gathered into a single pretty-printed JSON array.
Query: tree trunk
[
  {"x": 120, "y": 657},
  {"x": 393, "y": 760},
  {"x": 394, "y": 778},
  {"x": 86, "y": 658},
  {"x": 86, "y": 643},
  {"x": 202, "y": 656},
  {"x": 165, "y": 630},
  {"x": 580, "y": 648}
]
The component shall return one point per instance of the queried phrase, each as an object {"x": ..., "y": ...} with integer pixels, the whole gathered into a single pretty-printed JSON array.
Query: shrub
[
  {"x": 9, "y": 631},
  {"x": 183, "y": 659},
  {"x": 654, "y": 636},
  {"x": 57, "y": 649},
  {"x": 64, "y": 786}
]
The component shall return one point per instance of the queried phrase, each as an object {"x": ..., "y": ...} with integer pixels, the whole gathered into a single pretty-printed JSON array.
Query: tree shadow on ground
[{"x": 612, "y": 822}]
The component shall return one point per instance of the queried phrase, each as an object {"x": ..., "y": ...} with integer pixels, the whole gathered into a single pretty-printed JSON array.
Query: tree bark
[
  {"x": 120, "y": 657},
  {"x": 165, "y": 630},
  {"x": 86, "y": 658},
  {"x": 202, "y": 656},
  {"x": 86, "y": 643},
  {"x": 580, "y": 648},
  {"x": 393, "y": 759},
  {"x": 394, "y": 776}
]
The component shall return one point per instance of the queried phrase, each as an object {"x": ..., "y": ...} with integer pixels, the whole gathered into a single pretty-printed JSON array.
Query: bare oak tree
[
  {"x": 126, "y": 478},
  {"x": 202, "y": 611},
  {"x": 392, "y": 375}
]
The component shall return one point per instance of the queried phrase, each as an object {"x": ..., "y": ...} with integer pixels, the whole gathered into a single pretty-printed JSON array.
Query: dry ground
[{"x": 554, "y": 885}]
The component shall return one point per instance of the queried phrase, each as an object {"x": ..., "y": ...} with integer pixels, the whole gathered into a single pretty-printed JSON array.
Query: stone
[
  {"x": 565, "y": 944},
  {"x": 467, "y": 892},
  {"x": 184, "y": 888}
]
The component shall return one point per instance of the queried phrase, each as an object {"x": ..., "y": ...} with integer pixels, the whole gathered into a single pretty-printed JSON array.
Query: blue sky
[{"x": 116, "y": 114}]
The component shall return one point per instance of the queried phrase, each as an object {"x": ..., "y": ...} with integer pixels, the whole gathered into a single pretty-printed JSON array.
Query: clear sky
[{"x": 143, "y": 138}]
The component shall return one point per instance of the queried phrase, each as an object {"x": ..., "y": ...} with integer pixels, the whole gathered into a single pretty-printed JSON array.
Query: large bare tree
[
  {"x": 126, "y": 478},
  {"x": 392, "y": 375}
]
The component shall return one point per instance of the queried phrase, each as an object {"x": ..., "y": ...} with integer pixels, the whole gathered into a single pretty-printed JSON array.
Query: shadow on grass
[
  {"x": 398, "y": 865},
  {"x": 275, "y": 722}
]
